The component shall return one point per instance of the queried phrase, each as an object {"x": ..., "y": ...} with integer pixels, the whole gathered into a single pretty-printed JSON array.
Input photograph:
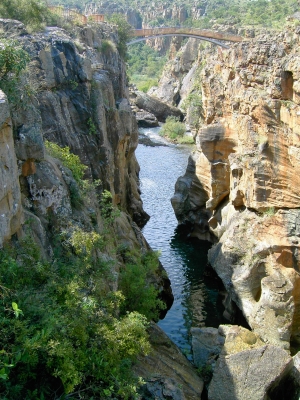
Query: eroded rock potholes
[{"x": 241, "y": 192}]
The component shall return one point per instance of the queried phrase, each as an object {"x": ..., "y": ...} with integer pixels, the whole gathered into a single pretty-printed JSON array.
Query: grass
[{"x": 175, "y": 130}]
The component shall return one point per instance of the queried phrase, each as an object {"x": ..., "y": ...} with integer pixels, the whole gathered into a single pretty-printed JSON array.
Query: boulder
[
  {"x": 155, "y": 106},
  {"x": 260, "y": 273},
  {"x": 168, "y": 374},
  {"x": 146, "y": 119},
  {"x": 249, "y": 374},
  {"x": 207, "y": 344}
]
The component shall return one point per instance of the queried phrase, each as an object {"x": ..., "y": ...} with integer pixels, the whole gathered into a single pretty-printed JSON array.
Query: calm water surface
[{"x": 196, "y": 300}]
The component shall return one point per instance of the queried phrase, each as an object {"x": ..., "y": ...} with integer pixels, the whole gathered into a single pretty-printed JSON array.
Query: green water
[{"x": 197, "y": 301}]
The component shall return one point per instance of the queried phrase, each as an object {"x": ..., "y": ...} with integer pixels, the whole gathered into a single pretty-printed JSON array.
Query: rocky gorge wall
[
  {"x": 241, "y": 188},
  {"x": 79, "y": 99},
  {"x": 75, "y": 94}
]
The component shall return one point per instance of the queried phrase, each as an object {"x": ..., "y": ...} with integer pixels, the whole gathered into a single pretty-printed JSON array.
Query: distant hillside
[{"x": 200, "y": 13}]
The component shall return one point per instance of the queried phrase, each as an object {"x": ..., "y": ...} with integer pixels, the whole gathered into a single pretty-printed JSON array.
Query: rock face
[
  {"x": 242, "y": 366},
  {"x": 241, "y": 373},
  {"x": 178, "y": 74},
  {"x": 207, "y": 345},
  {"x": 132, "y": 15},
  {"x": 241, "y": 187},
  {"x": 80, "y": 101},
  {"x": 11, "y": 214},
  {"x": 167, "y": 372},
  {"x": 146, "y": 13},
  {"x": 261, "y": 273},
  {"x": 78, "y": 97}
]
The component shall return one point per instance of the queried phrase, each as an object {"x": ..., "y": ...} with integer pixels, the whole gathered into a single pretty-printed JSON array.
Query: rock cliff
[
  {"x": 75, "y": 95},
  {"x": 241, "y": 188},
  {"x": 78, "y": 99},
  {"x": 10, "y": 194}
]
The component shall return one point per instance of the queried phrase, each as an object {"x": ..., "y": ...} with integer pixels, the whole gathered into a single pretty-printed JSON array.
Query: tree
[
  {"x": 33, "y": 13},
  {"x": 124, "y": 32},
  {"x": 13, "y": 59}
]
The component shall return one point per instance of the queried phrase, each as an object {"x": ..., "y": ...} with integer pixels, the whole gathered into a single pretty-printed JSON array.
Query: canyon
[
  {"x": 78, "y": 99},
  {"x": 240, "y": 190}
]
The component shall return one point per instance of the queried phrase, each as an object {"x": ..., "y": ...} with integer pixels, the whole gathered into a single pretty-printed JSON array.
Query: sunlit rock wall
[{"x": 244, "y": 189}]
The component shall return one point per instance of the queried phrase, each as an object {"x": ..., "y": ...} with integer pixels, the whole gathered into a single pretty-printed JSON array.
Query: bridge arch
[
  {"x": 202, "y": 34},
  {"x": 178, "y": 34}
]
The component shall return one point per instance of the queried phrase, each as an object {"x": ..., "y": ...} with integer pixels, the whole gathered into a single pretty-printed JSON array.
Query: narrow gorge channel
[{"x": 197, "y": 301}]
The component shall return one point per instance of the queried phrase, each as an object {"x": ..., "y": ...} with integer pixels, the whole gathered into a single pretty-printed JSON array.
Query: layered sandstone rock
[{"x": 242, "y": 183}]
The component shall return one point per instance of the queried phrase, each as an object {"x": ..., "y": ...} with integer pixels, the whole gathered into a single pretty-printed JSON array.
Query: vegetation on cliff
[
  {"x": 66, "y": 329},
  {"x": 61, "y": 331},
  {"x": 33, "y": 13},
  {"x": 13, "y": 61},
  {"x": 124, "y": 32},
  {"x": 244, "y": 13}
]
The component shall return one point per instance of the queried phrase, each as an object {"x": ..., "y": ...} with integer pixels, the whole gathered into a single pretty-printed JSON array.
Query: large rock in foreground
[
  {"x": 146, "y": 119},
  {"x": 168, "y": 374},
  {"x": 249, "y": 374}
]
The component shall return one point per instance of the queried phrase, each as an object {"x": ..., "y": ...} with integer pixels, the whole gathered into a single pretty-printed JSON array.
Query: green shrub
[
  {"x": 13, "y": 58},
  {"x": 124, "y": 32},
  {"x": 186, "y": 140},
  {"x": 194, "y": 100},
  {"x": 206, "y": 373},
  {"x": 140, "y": 294},
  {"x": 13, "y": 61},
  {"x": 145, "y": 66},
  {"x": 108, "y": 211},
  {"x": 173, "y": 128},
  {"x": 270, "y": 212},
  {"x": 60, "y": 331},
  {"x": 145, "y": 85},
  {"x": 91, "y": 126},
  {"x": 107, "y": 47},
  {"x": 70, "y": 160},
  {"x": 33, "y": 13}
]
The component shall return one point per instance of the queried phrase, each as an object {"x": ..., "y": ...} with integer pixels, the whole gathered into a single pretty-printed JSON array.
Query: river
[{"x": 196, "y": 297}]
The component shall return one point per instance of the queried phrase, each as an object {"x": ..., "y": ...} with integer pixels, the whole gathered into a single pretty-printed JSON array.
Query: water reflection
[{"x": 196, "y": 299}]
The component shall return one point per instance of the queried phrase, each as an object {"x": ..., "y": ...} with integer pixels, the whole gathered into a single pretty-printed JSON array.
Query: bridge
[
  {"x": 202, "y": 34},
  {"x": 148, "y": 33}
]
